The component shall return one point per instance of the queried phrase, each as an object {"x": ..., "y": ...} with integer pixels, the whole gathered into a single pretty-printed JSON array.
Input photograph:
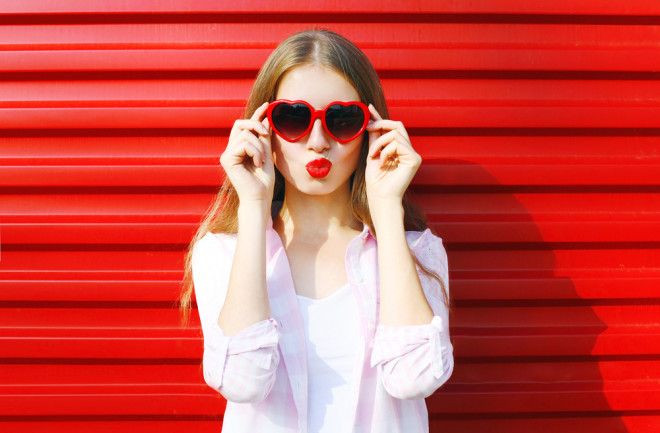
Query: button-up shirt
[{"x": 262, "y": 371}]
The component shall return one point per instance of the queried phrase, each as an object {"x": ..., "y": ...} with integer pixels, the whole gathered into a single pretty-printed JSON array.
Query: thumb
[
  {"x": 266, "y": 139},
  {"x": 373, "y": 136}
]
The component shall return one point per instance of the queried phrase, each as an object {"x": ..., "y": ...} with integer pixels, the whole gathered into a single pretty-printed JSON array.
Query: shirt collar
[{"x": 366, "y": 232}]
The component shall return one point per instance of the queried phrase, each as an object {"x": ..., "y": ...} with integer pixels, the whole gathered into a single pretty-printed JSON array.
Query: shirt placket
[
  {"x": 367, "y": 317},
  {"x": 284, "y": 307}
]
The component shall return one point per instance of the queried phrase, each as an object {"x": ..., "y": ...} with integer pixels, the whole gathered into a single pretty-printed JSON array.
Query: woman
[{"x": 315, "y": 172}]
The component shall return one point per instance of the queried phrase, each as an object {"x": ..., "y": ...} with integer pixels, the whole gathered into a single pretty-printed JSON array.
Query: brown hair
[{"x": 330, "y": 50}]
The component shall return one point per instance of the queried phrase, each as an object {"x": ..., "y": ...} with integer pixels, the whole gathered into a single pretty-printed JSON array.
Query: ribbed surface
[{"x": 539, "y": 126}]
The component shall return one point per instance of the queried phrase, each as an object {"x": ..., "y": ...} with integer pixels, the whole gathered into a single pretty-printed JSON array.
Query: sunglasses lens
[
  {"x": 291, "y": 120},
  {"x": 344, "y": 122}
]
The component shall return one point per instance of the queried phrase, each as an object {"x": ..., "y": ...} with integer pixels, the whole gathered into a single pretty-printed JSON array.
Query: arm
[
  {"x": 391, "y": 165},
  {"x": 415, "y": 360},
  {"x": 248, "y": 162},
  {"x": 241, "y": 367},
  {"x": 247, "y": 299},
  {"x": 402, "y": 300},
  {"x": 240, "y": 343},
  {"x": 411, "y": 349}
]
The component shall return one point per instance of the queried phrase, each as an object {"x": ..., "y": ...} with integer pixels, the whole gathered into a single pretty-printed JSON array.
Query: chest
[{"x": 318, "y": 271}]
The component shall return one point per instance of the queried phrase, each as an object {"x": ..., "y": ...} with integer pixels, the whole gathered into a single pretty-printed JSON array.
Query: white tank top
[{"x": 332, "y": 331}]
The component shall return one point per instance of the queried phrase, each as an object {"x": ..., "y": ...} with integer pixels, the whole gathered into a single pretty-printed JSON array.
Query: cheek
[
  {"x": 283, "y": 153},
  {"x": 276, "y": 147},
  {"x": 352, "y": 156}
]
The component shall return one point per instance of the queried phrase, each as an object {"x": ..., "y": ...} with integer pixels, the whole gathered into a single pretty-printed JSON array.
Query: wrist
[
  {"x": 386, "y": 210},
  {"x": 386, "y": 204},
  {"x": 254, "y": 205},
  {"x": 253, "y": 212}
]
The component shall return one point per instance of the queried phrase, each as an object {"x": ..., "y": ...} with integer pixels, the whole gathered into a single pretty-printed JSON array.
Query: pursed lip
[
  {"x": 319, "y": 163},
  {"x": 318, "y": 168}
]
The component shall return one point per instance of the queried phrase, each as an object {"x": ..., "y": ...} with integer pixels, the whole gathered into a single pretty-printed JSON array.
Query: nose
[{"x": 318, "y": 139}]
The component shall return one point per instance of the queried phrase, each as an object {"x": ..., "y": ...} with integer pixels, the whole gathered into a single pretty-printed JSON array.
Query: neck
[{"x": 313, "y": 217}]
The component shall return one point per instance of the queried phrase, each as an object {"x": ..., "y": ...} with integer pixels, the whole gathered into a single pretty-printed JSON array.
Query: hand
[
  {"x": 391, "y": 163},
  {"x": 248, "y": 158}
]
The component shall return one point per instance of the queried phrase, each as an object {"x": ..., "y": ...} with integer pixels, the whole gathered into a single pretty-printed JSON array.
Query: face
[{"x": 318, "y": 86}]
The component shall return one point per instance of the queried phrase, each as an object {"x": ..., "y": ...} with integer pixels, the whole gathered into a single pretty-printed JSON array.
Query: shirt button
[
  {"x": 371, "y": 343},
  {"x": 358, "y": 278},
  {"x": 371, "y": 325}
]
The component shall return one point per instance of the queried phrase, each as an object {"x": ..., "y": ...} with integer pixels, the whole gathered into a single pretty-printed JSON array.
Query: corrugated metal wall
[{"x": 538, "y": 122}]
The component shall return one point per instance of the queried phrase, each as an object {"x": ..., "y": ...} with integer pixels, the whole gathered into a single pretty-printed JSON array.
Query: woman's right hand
[{"x": 248, "y": 158}]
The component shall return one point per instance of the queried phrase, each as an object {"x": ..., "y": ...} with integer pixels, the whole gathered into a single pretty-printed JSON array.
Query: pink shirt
[{"x": 262, "y": 371}]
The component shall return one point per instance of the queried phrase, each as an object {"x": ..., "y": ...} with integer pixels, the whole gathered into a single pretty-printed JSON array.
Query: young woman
[{"x": 321, "y": 293}]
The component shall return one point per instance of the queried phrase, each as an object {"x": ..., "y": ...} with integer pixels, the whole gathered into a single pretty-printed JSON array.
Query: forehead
[{"x": 317, "y": 85}]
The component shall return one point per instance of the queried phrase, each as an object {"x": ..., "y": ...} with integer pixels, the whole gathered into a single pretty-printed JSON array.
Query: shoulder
[
  {"x": 421, "y": 240},
  {"x": 213, "y": 245},
  {"x": 428, "y": 248},
  {"x": 211, "y": 262}
]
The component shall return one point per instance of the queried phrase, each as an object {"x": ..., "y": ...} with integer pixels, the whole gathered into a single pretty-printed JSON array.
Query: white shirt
[
  {"x": 332, "y": 341},
  {"x": 262, "y": 370}
]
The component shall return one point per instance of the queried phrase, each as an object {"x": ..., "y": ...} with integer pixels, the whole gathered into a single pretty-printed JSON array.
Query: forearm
[
  {"x": 247, "y": 298},
  {"x": 402, "y": 300}
]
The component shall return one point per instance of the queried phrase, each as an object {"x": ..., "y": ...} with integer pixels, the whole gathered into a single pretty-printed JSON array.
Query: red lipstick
[{"x": 319, "y": 167}]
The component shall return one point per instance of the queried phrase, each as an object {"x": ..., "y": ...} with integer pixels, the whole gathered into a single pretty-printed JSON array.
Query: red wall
[{"x": 538, "y": 123}]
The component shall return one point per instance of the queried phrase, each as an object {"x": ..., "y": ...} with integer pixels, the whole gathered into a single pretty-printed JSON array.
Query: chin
[
  {"x": 316, "y": 186},
  {"x": 318, "y": 189}
]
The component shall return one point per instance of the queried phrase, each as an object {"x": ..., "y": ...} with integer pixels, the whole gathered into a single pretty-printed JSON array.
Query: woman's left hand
[{"x": 391, "y": 163}]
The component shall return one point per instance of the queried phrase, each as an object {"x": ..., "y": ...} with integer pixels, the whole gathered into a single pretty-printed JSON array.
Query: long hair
[{"x": 333, "y": 51}]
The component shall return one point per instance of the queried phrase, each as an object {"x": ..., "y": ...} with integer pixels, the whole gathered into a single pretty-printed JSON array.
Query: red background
[{"x": 538, "y": 123}]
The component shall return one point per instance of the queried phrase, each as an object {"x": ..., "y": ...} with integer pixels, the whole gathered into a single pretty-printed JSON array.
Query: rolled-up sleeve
[
  {"x": 414, "y": 361},
  {"x": 241, "y": 367}
]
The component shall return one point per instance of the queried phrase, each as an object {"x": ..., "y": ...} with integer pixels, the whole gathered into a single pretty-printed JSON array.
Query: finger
[
  {"x": 235, "y": 154},
  {"x": 252, "y": 125},
  {"x": 253, "y": 152},
  {"x": 384, "y": 124},
  {"x": 256, "y": 143},
  {"x": 373, "y": 136},
  {"x": 266, "y": 139},
  {"x": 374, "y": 116},
  {"x": 381, "y": 142},
  {"x": 388, "y": 153},
  {"x": 374, "y": 113},
  {"x": 249, "y": 137},
  {"x": 259, "y": 112},
  {"x": 388, "y": 125},
  {"x": 266, "y": 125}
]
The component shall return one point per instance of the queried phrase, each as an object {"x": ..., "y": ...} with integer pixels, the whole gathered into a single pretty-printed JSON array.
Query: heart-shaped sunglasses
[{"x": 292, "y": 120}]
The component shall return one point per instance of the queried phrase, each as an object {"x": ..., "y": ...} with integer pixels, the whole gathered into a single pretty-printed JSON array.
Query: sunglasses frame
[{"x": 318, "y": 114}]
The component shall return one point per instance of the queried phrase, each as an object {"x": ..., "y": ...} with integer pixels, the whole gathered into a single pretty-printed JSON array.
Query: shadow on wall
[{"x": 522, "y": 335}]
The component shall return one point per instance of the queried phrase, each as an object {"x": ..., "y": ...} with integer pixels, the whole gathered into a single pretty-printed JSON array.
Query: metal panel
[{"x": 538, "y": 123}]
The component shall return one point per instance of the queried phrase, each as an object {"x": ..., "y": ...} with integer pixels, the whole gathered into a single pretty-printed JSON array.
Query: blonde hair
[{"x": 330, "y": 50}]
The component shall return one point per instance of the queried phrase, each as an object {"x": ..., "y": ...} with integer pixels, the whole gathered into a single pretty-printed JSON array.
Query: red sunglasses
[{"x": 292, "y": 120}]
